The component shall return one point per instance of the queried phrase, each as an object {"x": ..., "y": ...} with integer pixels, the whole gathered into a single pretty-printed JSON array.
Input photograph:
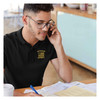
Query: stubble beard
[
  {"x": 33, "y": 33},
  {"x": 30, "y": 27}
]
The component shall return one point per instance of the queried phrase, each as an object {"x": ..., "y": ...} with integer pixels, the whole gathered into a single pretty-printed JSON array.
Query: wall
[{"x": 78, "y": 37}]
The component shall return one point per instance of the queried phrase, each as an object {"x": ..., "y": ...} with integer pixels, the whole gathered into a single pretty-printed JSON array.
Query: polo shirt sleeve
[
  {"x": 5, "y": 60},
  {"x": 5, "y": 56},
  {"x": 53, "y": 53}
]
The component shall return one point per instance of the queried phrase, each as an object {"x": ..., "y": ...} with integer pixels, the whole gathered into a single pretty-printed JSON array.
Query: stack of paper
[
  {"x": 58, "y": 88},
  {"x": 90, "y": 87},
  {"x": 50, "y": 90}
]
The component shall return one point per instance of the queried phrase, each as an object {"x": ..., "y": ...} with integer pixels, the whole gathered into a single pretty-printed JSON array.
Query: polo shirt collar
[{"x": 20, "y": 37}]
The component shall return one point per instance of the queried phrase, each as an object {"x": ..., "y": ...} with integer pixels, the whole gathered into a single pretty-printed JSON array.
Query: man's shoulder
[
  {"x": 10, "y": 35},
  {"x": 10, "y": 38}
]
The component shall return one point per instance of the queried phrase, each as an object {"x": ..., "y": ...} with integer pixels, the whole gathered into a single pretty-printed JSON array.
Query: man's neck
[{"x": 28, "y": 37}]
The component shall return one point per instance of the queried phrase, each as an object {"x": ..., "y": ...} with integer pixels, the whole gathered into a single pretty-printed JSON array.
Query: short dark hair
[{"x": 38, "y": 7}]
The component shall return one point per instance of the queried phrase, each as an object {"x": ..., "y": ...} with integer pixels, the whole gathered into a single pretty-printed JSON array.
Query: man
[{"x": 28, "y": 51}]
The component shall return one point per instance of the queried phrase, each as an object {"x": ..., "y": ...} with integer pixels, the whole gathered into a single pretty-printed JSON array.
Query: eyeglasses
[{"x": 42, "y": 25}]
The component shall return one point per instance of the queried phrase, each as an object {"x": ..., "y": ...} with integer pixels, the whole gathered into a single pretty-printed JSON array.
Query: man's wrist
[{"x": 58, "y": 46}]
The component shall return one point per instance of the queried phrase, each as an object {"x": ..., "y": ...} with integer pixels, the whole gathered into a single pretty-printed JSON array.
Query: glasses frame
[{"x": 44, "y": 24}]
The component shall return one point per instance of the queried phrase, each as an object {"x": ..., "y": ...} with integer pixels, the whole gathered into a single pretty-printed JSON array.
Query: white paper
[
  {"x": 90, "y": 87},
  {"x": 52, "y": 89}
]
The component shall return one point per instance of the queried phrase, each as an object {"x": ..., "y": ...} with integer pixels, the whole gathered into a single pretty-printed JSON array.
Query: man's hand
[
  {"x": 55, "y": 38},
  {"x": 32, "y": 94},
  {"x": 61, "y": 64}
]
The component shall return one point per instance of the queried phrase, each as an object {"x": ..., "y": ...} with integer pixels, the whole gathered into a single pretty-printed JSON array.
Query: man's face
[{"x": 34, "y": 26}]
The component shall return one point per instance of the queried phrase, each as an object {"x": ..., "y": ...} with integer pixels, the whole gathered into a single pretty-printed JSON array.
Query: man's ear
[{"x": 24, "y": 18}]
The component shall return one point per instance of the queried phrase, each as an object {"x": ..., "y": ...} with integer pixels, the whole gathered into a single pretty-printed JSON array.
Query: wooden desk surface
[{"x": 39, "y": 87}]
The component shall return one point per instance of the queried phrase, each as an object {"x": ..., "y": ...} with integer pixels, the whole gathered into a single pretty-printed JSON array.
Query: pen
[{"x": 33, "y": 89}]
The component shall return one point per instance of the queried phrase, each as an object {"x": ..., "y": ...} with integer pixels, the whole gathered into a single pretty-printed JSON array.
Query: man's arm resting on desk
[
  {"x": 62, "y": 65},
  {"x": 16, "y": 93}
]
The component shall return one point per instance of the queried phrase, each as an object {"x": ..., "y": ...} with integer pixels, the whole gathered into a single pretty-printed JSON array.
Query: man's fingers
[
  {"x": 54, "y": 31},
  {"x": 32, "y": 94},
  {"x": 52, "y": 28}
]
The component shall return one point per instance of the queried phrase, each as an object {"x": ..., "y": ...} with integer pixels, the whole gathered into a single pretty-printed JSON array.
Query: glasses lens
[
  {"x": 50, "y": 23},
  {"x": 40, "y": 25}
]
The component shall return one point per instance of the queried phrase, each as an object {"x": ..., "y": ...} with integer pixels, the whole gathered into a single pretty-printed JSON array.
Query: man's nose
[{"x": 45, "y": 28}]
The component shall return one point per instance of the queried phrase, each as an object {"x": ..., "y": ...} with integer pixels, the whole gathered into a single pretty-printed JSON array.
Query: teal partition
[{"x": 78, "y": 37}]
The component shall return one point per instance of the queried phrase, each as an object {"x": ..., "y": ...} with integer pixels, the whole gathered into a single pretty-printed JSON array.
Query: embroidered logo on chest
[{"x": 41, "y": 54}]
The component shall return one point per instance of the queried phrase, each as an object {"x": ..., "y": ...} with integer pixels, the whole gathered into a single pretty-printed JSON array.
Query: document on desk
[
  {"x": 59, "y": 86},
  {"x": 90, "y": 87},
  {"x": 75, "y": 91},
  {"x": 50, "y": 90}
]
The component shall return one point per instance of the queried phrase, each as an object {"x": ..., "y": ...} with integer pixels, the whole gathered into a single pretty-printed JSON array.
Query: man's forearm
[
  {"x": 18, "y": 93},
  {"x": 64, "y": 69}
]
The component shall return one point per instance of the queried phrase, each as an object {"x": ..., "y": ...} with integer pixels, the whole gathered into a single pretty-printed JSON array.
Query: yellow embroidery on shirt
[{"x": 41, "y": 54}]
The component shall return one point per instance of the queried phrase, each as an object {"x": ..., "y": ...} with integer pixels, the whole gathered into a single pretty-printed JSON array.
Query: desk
[{"x": 39, "y": 87}]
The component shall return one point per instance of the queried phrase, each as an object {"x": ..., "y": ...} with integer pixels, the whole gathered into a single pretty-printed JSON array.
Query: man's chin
[{"x": 42, "y": 39}]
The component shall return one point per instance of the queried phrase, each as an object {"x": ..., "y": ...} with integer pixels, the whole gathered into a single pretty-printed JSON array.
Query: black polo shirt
[{"x": 24, "y": 64}]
